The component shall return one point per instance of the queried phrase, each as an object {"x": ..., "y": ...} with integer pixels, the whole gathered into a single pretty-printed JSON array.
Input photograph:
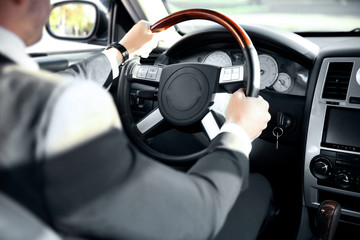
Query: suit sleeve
[
  {"x": 105, "y": 188},
  {"x": 96, "y": 68}
]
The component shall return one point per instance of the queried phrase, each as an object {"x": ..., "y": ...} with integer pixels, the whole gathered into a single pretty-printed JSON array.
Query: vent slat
[{"x": 337, "y": 80}]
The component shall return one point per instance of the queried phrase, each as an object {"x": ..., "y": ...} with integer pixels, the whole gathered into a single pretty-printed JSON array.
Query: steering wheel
[{"x": 185, "y": 90}]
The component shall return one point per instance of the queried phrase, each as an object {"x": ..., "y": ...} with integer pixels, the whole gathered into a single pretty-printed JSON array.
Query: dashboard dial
[
  {"x": 283, "y": 82},
  {"x": 268, "y": 70},
  {"x": 218, "y": 58}
]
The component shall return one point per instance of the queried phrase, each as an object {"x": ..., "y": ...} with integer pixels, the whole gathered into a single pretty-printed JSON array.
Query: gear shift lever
[{"x": 327, "y": 218}]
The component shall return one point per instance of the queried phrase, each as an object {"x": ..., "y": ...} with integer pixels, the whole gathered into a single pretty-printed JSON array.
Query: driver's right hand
[{"x": 250, "y": 113}]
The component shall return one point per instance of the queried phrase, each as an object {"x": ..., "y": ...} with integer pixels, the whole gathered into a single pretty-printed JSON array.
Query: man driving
[{"x": 64, "y": 156}]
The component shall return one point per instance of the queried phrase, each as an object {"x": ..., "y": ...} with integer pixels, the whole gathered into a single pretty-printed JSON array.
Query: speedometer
[
  {"x": 218, "y": 58},
  {"x": 283, "y": 82},
  {"x": 268, "y": 70}
]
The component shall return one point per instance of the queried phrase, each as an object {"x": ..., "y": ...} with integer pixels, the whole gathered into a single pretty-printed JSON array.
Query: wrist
[
  {"x": 236, "y": 129},
  {"x": 121, "y": 49}
]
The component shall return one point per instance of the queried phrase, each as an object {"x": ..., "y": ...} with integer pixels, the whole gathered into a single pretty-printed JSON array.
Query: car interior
[{"x": 310, "y": 151}]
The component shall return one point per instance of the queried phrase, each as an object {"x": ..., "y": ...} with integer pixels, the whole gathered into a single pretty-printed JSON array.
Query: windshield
[{"x": 292, "y": 15}]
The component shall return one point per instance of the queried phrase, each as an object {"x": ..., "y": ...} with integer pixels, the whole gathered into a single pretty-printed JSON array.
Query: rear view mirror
[{"x": 73, "y": 20}]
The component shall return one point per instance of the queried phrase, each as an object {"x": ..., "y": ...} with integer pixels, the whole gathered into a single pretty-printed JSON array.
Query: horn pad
[{"x": 185, "y": 95}]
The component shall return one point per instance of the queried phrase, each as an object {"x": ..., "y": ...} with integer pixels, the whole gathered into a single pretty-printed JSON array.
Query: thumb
[{"x": 240, "y": 93}]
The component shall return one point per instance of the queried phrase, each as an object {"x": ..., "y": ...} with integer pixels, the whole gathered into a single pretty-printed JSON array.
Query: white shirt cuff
[
  {"x": 111, "y": 54},
  {"x": 245, "y": 142}
]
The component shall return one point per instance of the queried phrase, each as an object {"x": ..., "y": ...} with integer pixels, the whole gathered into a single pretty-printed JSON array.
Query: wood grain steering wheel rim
[{"x": 172, "y": 107}]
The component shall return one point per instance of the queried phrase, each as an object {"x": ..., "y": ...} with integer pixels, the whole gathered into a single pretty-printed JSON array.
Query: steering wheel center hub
[
  {"x": 184, "y": 95},
  {"x": 183, "y": 92}
]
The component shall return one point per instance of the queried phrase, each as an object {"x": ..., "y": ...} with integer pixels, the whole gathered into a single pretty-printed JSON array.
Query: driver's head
[{"x": 25, "y": 18}]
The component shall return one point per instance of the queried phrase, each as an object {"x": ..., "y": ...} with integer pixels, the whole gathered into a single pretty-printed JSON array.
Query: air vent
[{"x": 337, "y": 80}]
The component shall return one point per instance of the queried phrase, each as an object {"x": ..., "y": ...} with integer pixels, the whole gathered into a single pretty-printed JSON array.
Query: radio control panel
[
  {"x": 337, "y": 170},
  {"x": 332, "y": 152}
]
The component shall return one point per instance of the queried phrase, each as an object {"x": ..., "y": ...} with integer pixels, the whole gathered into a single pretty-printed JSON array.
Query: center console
[{"x": 332, "y": 158}]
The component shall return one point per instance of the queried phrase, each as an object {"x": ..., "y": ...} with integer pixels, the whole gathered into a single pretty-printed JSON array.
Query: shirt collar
[{"x": 14, "y": 48}]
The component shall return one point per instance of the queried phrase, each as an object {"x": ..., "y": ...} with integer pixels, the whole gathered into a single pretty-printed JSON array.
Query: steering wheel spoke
[
  {"x": 149, "y": 122},
  {"x": 210, "y": 125}
]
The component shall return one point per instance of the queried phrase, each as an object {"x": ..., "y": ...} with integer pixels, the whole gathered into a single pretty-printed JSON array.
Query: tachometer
[
  {"x": 268, "y": 70},
  {"x": 283, "y": 82},
  {"x": 218, "y": 58}
]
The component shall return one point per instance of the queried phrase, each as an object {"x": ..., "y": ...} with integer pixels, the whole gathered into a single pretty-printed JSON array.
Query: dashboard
[
  {"x": 278, "y": 73},
  {"x": 318, "y": 156},
  {"x": 285, "y": 63},
  {"x": 285, "y": 58},
  {"x": 323, "y": 138}
]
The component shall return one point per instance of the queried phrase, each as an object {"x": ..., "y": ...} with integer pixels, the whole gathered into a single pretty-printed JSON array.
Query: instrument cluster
[
  {"x": 278, "y": 73},
  {"x": 282, "y": 75}
]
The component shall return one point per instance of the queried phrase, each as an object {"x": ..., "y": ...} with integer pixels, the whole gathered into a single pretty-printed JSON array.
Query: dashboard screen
[{"x": 342, "y": 129}]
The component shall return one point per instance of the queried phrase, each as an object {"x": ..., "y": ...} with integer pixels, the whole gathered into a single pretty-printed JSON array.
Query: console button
[
  {"x": 343, "y": 179},
  {"x": 142, "y": 72},
  {"x": 328, "y": 153},
  {"x": 349, "y": 157},
  {"x": 321, "y": 167}
]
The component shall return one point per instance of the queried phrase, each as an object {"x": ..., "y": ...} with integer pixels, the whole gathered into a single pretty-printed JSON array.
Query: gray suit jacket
[{"x": 105, "y": 188}]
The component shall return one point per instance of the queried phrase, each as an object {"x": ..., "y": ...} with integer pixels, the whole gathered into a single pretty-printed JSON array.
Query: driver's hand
[
  {"x": 139, "y": 41},
  {"x": 250, "y": 113}
]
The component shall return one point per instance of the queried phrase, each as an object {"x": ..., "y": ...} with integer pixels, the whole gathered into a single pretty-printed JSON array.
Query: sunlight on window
[{"x": 294, "y": 15}]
